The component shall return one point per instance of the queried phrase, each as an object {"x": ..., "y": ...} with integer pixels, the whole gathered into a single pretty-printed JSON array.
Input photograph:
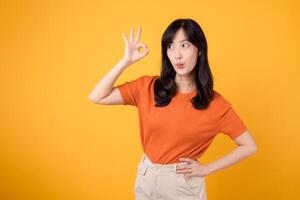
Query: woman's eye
[
  {"x": 185, "y": 44},
  {"x": 170, "y": 46}
]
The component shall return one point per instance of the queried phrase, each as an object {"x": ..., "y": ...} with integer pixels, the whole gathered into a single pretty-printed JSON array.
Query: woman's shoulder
[
  {"x": 143, "y": 81},
  {"x": 152, "y": 77},
  {"x": 219, "y": 101},
  {"x": 145, "y": 78},
  {"x": 148, "y": 77}
]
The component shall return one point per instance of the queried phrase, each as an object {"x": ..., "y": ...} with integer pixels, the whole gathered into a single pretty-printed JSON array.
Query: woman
[{"x": 179, "y": 114}]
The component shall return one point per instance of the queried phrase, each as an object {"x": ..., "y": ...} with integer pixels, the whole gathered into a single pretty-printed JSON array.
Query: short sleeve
[
  {"x": 131, "y": 90},
  {"x": 230, "y": 123}
]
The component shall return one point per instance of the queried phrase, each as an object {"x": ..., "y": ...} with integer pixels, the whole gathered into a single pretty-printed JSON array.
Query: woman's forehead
[{"x": 180, "y": 36}]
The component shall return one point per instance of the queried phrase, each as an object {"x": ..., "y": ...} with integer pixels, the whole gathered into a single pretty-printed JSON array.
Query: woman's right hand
[{"x": 132, "y": 53}]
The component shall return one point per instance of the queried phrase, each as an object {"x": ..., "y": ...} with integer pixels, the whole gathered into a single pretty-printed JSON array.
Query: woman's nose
[{"x": 178, "y": 53}]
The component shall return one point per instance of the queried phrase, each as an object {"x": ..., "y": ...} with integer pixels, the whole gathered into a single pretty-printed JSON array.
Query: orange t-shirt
[{"x": 178, "y": 129}]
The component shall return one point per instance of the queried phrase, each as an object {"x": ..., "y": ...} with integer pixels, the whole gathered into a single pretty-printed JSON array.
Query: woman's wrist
[
  {"x": 125, "y": 62},
  {"x": 209, "y": 170}
]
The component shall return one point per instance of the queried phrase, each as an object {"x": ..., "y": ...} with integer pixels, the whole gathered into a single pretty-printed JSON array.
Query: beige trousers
[{"x": 161, "y": 182}]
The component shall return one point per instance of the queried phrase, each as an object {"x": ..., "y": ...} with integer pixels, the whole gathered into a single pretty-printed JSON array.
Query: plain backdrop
[{"x": 55, "y": 144}]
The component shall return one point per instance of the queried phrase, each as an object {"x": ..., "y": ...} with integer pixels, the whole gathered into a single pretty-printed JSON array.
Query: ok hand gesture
[{"x": 132, "y": 53}]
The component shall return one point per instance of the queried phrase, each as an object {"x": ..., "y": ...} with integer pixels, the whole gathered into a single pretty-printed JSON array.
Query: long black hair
[{"x": 165, "y": 87}]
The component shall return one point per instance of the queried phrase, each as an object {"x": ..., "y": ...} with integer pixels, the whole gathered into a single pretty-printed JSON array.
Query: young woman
[{"x": 179, "y": 114}]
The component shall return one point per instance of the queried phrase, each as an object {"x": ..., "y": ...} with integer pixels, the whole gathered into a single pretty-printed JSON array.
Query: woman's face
[{"x": 182, "y": 53}]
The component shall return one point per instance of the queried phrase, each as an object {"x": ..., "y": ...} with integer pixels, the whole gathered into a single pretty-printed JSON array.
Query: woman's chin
[{"x": 182, "y": 72}]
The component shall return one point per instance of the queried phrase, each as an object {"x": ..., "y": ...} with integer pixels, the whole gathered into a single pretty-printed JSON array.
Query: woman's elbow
[{"x": 253, "y": 149}]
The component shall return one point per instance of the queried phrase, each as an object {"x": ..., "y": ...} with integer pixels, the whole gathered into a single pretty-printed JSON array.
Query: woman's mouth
[{"x": 180, "y": 66}]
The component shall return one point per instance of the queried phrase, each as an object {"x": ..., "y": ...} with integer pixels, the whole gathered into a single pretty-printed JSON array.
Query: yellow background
[{"x": 56, "y": 144}]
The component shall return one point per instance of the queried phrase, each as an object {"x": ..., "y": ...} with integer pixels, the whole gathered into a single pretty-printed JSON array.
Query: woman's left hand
[{"x": 192, "y": 168}]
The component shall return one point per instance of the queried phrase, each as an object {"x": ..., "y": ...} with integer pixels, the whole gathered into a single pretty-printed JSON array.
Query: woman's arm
[
  {"x": 246, "y": 147},
  {"x": 103, "y": 92},
  {"x": 105, "y": 86}
]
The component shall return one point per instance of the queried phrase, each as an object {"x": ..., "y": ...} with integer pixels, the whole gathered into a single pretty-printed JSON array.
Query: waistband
[{"x": 146, "y": 162}]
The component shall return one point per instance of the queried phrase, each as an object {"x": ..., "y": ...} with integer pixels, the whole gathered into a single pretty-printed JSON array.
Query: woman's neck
[{"x": 185, "y": 83}]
